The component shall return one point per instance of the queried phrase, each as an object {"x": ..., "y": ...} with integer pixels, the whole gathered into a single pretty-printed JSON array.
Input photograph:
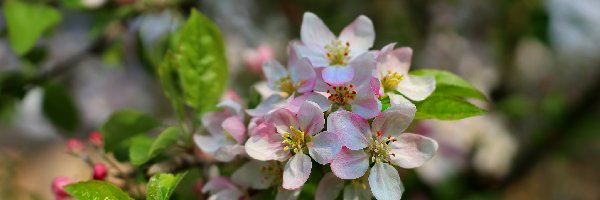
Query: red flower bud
[
  {"x": 58, "y": 185},
  {"x": 96, "y": 138},
  {"x": 100, "y": 171},
  {"x": 74, "y": 145}
]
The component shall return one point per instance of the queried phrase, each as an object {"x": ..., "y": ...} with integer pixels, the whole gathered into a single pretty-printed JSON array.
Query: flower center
[
  {"x": 295, "y": 140},
  {"x": 342, "y": 95},
  {"x": 337, "y": 52},
  {"x": 286, "y": 85},
  {"x": 391, "y": 80},
  {"x": 379, "y": 148}
]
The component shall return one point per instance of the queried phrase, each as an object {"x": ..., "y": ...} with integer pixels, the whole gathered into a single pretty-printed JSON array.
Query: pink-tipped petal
[
  {"x": 282, "y": 119},
  {"x": 310, "y": 118},
  {"x": 296, "y": 171},
  {"x": 266, "y": 147},
  {"x": 397, "y": 60},
  {"x": 274, "y": 71},
  {"x": 303, "y": 74},
  {"x": 316, "y": 56},
  {"x": 232, "y": 107},
  {"x": 314, "y": 32},
  {"x": 213, "y": 120},
  {"x": 360, "y": 34},
  {"x": 217, "y": 184},
  {"x": 366, "y": 107},
  {"x": 385, "y": 182},
  {"x": 324, "y": 147},
  {"x": 385, "y": 50},
  {"x": 228, "y": 152},
  {"x": 252, "y": 175},
  {"x": 364, "y": 69},
  {"x": 417, "y": 88},
  {"x": 337, "y": 75},
  {"x": 352, "y": 130},
  {"x": 350, "y": 164},
  {"x": 235, "y": 127},
  {"x": 295, "y": 103},
  {"x": 394, "y": 120},
  {"x": 329, "y": 187},
  {"x": 412, "y": 150}
]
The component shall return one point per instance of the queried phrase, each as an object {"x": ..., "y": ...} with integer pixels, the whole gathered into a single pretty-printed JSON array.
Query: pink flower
[
  {"x": 255, "y": 58},
  {"x": 392, "y": 71},
  {"x": 100, "y": 171},
  {"x": 58, "y": 185},
  {"x": 299, "y": 77},
  {"x": 96, "y": 138},
  {"x": 323, "y": 49},
  {"x": 221, "y": 188},
  {"x": 330, "y": 187},
  {"x": 74, "y": 145},
  {"x": 358, "y": 94},
  {"x": 227, "y": 132},
  {"x": 294, "y": 134},
  {"x": 261, "y": 175},
  {"x": 383, "y": 144}
]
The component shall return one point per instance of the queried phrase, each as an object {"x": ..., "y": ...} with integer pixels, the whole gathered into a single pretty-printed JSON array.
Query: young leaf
[
  {"x": 449, "y": 84},
  {"x": 161, "y": 186},
  {"x": 143, "y": 148},
  {"x": 168, "y": 80},
  {"x": 59, "y": 107},
  {"x": 446, "y": 108},
  {"x": 201, "y": 63},
  {"x": 93, "y": 189},
  {"x": 125, "y": 124},
  {"x": 26, "y": 22}
]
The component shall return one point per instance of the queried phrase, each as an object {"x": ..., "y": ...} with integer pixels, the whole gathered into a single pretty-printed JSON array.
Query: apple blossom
[
  {"x": 382, "y": 144},
  {"x": 227, "y": 132},
  {"x": 294, "y": 134},
  {"x": 299, "y": 77},
  {"x": 323, "y": 49},
  {"x": 392, "y": 71},
  {"x": 221, "y": 188}
]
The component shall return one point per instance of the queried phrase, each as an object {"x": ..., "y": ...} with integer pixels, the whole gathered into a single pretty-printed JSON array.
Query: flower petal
[
  {"x": 329, "y": 187},
  {"x": 366, "y": 107},
  {"x": 303, "y": 74},
  {"x": 314, "y": 32},
  {"x": 266, "y": 147},
  {"x": 282, "y": 119},
  {"x": 356, "y": 192},
  {"x": 310, "y": 118},
  {"x": 266, "y": 106},
  {"x": 235, "y": 127},
  {"x": 352, "y": 130},
  {"x": 412, "y": 150},
  {"x": 296, "y": 171},
  {"x": 316, "y": 56},
  {"x": 337, "y": 75},
  {"x": 274, "y": 71},
  {"x": 385, "y": 182},
  {"x": 324, "y": 147},
  {"x": 364, "y": 69},
  {"x": 208, "y": 144},
  {"x": 283, "y": 194},
  {"x": 350, "y": 164},
  {"x": 213, "y": 121},
  {"x": 228, "y": 152},
  {"x": 360, "y": 34},
  {"x": 394, "y": 120},
  {"x": 227, "y": 194},
  {"x": 397, "y": 60},
  {"x": 294, "y": 104},
  {"x": 217, "y": 184},
  {"x": 231, "y": 105},
  {"x": 252, "y": 175},
  {"x": 416, "y": 87}
]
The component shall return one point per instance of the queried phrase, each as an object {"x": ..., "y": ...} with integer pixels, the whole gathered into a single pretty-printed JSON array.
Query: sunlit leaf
[
  {"x": 27, "y": 22},
  {"x": 446, "y": 108},
  {"x": 161, "y": 186},
  {"x": 96, "y": 190},
  {"x": 449, "y": 84}
]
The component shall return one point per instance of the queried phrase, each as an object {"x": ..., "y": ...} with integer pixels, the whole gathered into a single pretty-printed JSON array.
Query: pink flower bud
[
  {"x": 254, "y": 58},
  {"x": 58, "y": 185},
  {"x": 100, "y": 171},
  {"x": 74, "y": 145},
  {"x": 96, "y": 138}
]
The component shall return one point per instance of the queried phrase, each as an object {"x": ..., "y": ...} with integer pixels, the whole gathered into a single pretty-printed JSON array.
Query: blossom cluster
[{"x": 326, "y": 106}]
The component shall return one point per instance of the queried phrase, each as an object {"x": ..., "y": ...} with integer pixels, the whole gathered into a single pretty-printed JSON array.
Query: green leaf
[
  {"x": 161, "y": 186},
  {"x": 96, "y": 190},
  {"x": 446, "y": 108},
  {"x": 167, "y": 75},
  {"x": 59, "y": 107},
  {"x": 199, "y": 58},
  {"x": 26, "y": 22},
  {"x": 449, "y": 84},
  {"x": 125, "y": 124},
  {"x": 143, "y": 148}
]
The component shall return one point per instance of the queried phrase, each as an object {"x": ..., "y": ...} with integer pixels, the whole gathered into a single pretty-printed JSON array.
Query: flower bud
[
  {"x": 100, "y": 171},
  {"x": 96, "y": 138},
  {"x": 58, "y": 185},
  {"x": 74, "y": 145},
  {"x": 254, "y": 58}
]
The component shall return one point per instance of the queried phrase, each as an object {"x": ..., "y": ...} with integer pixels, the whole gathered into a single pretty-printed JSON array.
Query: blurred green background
[{"x": 536, "y": 60}]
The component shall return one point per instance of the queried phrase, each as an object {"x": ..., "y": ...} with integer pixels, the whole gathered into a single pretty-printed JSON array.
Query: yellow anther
[
  {"x": 337, "y": 53},
  {"x": 391, "y": 80}
]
